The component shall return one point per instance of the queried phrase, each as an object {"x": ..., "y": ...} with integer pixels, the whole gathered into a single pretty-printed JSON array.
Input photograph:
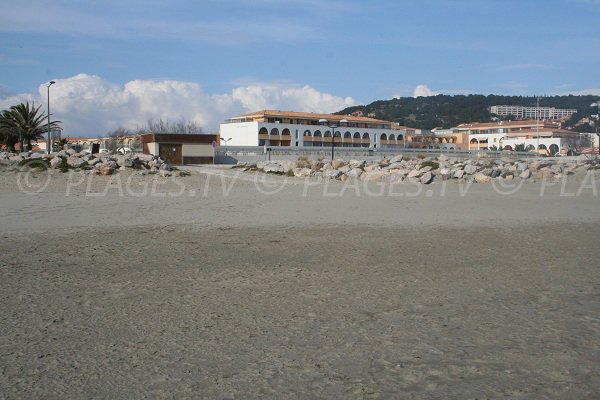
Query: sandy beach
[{"x": 225, "y": 284}]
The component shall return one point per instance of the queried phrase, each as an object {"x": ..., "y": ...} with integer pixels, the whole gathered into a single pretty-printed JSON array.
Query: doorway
[{"x": 171, "y": 153}]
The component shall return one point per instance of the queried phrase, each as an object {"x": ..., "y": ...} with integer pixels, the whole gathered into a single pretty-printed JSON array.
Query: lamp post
[
  {"x": 48, "y": 145},
  {"x": 537, "y": 126},
  {"x": 597, "y": 105},
  {"x": 333, "y": 125}
]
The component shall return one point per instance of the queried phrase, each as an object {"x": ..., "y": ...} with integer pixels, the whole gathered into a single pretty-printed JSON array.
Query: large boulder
[
  {"x": 144, "y": 157},
  {"x": 71, "y": 152},
  {"x": 459, "y": 173},
  {"x": 357, "y": 163},
  {"x": 273, "y": 168},
  {"x": 372, "y": 167},
  {"x": 415, "y": 173},
  {"x": 337, "y": 164},
  {"x": 345, "y": 169},
  {"x": 427, "y": 178},
  {"x": 332, "y": 173},
  {"x": 302, "y": 172},
  {"x": 471, "y": 169},
  {"x": 525, "y": 174},
  {"x": 402, "y": 172},
  {"x": 396, "y": 159},
  {"x": 106, "y": 169},
  {"x": 445, "y": 173},
  {"x": 480, "y": 177},
  {"x": 56, "y": 162},
  {"x": 124, "y": 161},
  {"x": 544, "y": 173},
  {"x": 522, "y": 166},
  {"x": 354, "y": 173},
  {"x": 375, "y": 176},
  {"x": 93, "y": 161},
  {"x": 75, "y": 162},
  {"x": 62, "y": 153},
  {"x": 112, "y": 164}
]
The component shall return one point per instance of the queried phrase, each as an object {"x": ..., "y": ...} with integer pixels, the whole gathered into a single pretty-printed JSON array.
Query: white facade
[
  {"x": 299, "y": 135},
  {"x": 521, "y": 112},
  {"x": 485, "y": 140}
]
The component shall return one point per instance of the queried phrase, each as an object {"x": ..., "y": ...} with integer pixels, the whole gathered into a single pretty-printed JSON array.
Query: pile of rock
[
  {"x": 423, "y": 170},
  {"x": 101, "y": 163}
]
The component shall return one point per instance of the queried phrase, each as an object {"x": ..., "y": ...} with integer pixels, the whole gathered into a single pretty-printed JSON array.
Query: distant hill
[{"x": 448, "y": 111}]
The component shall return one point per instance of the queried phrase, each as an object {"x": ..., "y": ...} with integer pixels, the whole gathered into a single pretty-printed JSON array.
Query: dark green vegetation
[
  {"x": 448, "y": 111},
  {"x": 37, "y": 163},
  {"x": 23, "y": 122}
]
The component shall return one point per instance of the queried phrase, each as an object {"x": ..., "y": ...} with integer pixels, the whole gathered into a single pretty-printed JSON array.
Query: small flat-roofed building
[{"x": 179, "y": 149}]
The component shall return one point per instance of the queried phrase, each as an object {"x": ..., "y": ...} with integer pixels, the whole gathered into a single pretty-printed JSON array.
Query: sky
[{"x": 119, "y": 63}]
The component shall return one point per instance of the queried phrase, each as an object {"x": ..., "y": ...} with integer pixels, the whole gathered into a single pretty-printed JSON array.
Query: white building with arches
[
  {"x": 545, "y": 137},
  {"x": 300, "y": 129}
]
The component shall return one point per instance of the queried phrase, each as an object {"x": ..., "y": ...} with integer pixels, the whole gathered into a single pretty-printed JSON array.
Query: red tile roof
[{"x": 308, "y": 115}]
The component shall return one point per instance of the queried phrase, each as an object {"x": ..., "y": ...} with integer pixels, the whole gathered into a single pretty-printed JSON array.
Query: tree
[
  {"x": 182, "y": 127},
  {"x": 520, "y": 147},
  {"x": 23, "y": 122},
  {"x": 116, "y": 140}
]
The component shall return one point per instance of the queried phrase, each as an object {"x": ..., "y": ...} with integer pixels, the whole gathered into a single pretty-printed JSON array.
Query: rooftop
[
  {"x": 308, "y": 115},
  {"x": 511, "y": 124}
]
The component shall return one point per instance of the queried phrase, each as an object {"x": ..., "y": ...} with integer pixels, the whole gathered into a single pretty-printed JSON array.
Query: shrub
[
  {"x": 38, "y": 163},
  {"x": 431, "y": 164},
  {"x": 64, "y": 167},
  {"x": 303, "y": 162}
]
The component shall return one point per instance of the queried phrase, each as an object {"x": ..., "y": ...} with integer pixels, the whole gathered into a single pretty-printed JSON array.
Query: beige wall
[
  {"x": 153, "y": 148},
  {"x": 197, "y": 150}
]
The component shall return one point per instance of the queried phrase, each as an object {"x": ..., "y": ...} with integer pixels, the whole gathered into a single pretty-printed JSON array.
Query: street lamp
[
  {"x": 333, "y": 125},
  {"x": 49, "y": 143},
  {"x": 537, "y": 126},
  {"x": 597, "y": 105}
]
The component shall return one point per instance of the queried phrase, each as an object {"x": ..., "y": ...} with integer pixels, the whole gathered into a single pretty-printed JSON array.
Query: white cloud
[
  {"x": 424, "y": 91},
  {"x": 88, "y": 105}
]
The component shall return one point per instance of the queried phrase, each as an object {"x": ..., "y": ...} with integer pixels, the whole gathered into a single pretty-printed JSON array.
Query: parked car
[{"x": 125, "y": 150}]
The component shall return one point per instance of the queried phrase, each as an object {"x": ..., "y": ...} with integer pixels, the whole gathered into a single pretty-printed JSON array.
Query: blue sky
[{"x": 205, "y": 60}]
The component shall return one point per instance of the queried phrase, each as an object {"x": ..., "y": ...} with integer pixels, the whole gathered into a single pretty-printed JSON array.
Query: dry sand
[{"x": 244, "y": 286}]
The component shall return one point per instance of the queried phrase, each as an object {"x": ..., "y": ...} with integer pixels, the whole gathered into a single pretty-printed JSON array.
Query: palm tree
[{"x": 23, "y": 122}]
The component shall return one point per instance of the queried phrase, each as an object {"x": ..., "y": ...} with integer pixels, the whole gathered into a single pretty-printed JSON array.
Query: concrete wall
[
  {"x": 253, "y": 154},
  {"x": 153, "y": 148},
  {"x": 241, "y": 134},
  {"x": 197, "y": 150}
]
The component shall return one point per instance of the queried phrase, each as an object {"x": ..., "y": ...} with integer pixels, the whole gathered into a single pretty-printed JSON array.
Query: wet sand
[{"x": 296, "y": 302}]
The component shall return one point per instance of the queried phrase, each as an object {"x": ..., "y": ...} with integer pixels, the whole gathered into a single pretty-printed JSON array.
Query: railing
[{"x": 358, "y": 151}]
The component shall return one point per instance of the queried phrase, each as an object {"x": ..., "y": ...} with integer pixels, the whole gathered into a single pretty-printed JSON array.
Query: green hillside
[{"x": 448, "y": 111}]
